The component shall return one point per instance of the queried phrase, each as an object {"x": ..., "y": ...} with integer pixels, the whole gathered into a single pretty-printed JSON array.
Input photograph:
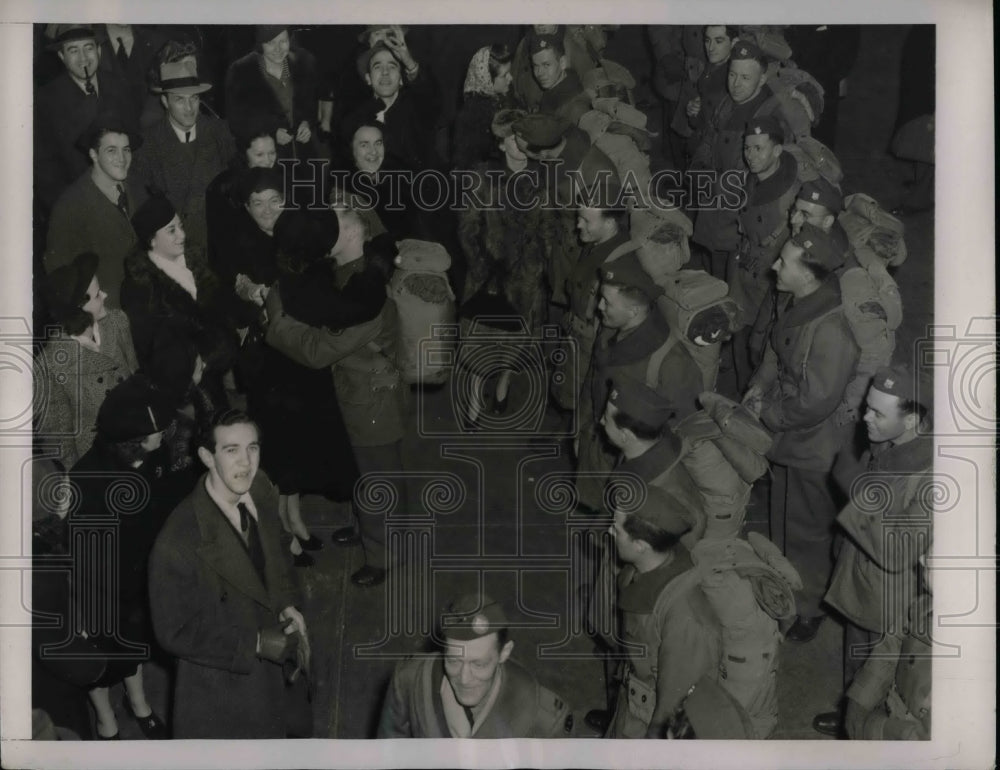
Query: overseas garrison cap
[
  {"x": 822, "y": 193},
  {"x": 658, "y": 510},
  {"x": 541, "y": 130},
  {"x": 744, "y": 49},
  {"x": 819, "y": 245},
  {"x": 640, "y": 402},
  {"x": 766, "y": 124},
  {"x": 898, "y": 380},
  {"x": 538, "y": 43},
  {"x": 472, "y": 616},
  {"x": 627, "y": 271}
]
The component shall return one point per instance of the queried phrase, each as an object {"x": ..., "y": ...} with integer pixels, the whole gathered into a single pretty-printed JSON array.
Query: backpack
[
  {"x": 749, "y": 586},
  {"x": 724, "y": 450},
  {"x": 697, "y": 306},
  {"x": 874, "y": 336},
  {"x": 872, "y": 231},
  {"x": 814, "y": 159},
  {"x": 425, "y": 311},
  {"x": 798, "y": 97},
  {"x": 621, "y": 142}
]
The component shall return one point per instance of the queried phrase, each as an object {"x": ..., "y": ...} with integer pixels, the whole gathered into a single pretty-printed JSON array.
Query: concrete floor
[{"x": 493, "y": 526}]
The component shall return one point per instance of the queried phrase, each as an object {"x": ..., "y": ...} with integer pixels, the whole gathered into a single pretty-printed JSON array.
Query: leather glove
[{"x": 275, "y": 645}]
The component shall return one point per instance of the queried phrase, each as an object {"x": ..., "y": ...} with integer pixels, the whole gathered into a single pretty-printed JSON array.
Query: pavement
[{"x": 499, "y": 498}]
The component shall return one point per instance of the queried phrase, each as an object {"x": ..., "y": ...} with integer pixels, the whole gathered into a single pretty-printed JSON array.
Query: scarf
[{"x": 478, "y": 79}]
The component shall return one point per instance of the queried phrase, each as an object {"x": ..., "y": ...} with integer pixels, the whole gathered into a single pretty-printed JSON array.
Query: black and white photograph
[{"x": 387, "y": 371}]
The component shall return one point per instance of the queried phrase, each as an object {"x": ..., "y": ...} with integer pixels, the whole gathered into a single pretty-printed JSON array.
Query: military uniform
[
  {"x": 678, "y": 380},
  {"x": 673, "y": 640},
  {"x": 890, "y": 699},
  {"x": 580, "y": 323},
  {"x": 369, "y": 391},
  {"x": 809, "y": 360},
  {"x": 523, "y": 708}
]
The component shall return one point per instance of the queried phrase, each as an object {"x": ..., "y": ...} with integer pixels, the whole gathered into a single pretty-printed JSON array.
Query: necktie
[
  {"x": 187, "y": 137},
  {"x": 88, "y": 86},
  {"x": 249, "y": 526},
  {"x": 122, "y": 201},
  {"x": 122, "y": 54}
]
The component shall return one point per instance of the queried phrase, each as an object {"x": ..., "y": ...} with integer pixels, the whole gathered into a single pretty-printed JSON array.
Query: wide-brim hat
[
  {"x": 59, "y": 34},
  {"x": 180, "y": 77},
  {"x": 134, "y": 409}
]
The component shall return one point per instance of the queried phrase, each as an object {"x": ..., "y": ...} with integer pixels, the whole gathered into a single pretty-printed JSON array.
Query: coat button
[
  {"x": 643, "y": 698},
  {"x": 631, "y": 691},
  {"x": 760, "y": 219},
  {"x": 788, "y": 340},
  {"x": 100, "y": 379}
]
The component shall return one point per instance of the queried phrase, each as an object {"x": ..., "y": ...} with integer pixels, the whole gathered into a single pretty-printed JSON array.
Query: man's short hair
[
  {"x": 817, "y": 268},
  {"x": 659, "y": 539},
  {"x": 906, "y": 407},
  {"x": 223, "y": 419},
  {"x": 175, "y": 50},
  {"x": 732, "y": 32}
]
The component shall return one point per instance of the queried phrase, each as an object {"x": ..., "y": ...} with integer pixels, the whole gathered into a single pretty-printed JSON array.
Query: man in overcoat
[
  {"x": 223, "y": 594},
  {"x": 810, "y": 358}
]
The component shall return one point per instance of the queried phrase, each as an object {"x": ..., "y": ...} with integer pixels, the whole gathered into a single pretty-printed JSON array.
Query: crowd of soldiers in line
[{"x": 223, "y": 350}]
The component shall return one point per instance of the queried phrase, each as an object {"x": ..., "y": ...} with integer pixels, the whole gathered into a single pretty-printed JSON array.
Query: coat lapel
[{"x": 223, "y": 550}]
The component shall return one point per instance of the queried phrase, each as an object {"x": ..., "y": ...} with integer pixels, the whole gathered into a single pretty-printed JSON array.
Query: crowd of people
[{"x": 215, "y": 268}]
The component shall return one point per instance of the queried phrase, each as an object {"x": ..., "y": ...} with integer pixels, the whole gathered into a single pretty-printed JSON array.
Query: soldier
[
  {"x": 763, "y": 224},
  {"x": 562, "y": 91},
  {"x": 605, "y": 236},
  {"x": 472, "y": 688},
  {"x": 671, "y": 640},
  {"x": 632, "y": 332},
  {"x": 368, "y": 387},
  {"x": 875, "y": 579},
  {"x": 635, "y": 422},
  {"x": 722, "y": 147},
  {"x": 809, "y": 360}
]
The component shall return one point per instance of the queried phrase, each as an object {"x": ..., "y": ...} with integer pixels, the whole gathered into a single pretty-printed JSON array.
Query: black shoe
[
  {"x": 828, "y": 723},
  {"x": 152, "y": 726},
  {"x": 345, "y": 536},
  {"x": 312, "y": 544},
  {"x": 805, "y": 629},
  {"x": 369, "y": 576},
  {"x": 303, "y": 560},
  {"x": 598, "y": 720}
]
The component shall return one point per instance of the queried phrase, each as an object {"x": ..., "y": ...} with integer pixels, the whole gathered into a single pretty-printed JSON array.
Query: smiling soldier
[{"x": 472, "y": 689}]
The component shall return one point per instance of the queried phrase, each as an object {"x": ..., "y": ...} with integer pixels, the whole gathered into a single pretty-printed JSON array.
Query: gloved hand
[{"x": 275, "y": 645}]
